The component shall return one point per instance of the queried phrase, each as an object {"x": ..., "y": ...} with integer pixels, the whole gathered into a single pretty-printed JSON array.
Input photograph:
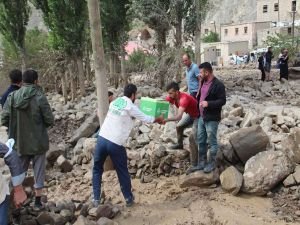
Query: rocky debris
[
  {"x": 247, "y": 142},
  {"x": 199, "y": 179},
  {"x": 64, "y": 164},
  {"x": 106, "y": 210},
  {"x": 54, "y": 152},
  {"x": 264, "y": 171},
  {"x": 87, "y": 129},
  {"x": 231, "y": 180}
]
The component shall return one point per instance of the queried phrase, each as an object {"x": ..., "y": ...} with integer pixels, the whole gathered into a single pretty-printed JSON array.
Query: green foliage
[
  {"x": 280, "y": 41},
  {"x": 139, "y": 61},
  {"x": 66, "y": 21},
  {"x": 114, "y": 22},
  {"x": 14, "y": 15},
  {"x": 211, "y": 37}
]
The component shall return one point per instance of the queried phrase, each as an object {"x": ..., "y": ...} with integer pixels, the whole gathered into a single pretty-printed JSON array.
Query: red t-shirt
[{"x": 186, "y": 101}]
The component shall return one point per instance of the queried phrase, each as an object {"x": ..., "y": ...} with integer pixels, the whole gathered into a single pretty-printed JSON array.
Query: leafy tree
[
  {"x": 194, "y": 19},
  {"x": 211, "y": 37},
  {"x": 14, "y": 16},
  {"x": 66, "y": 21},
  {"x": 280, "y": 41}
]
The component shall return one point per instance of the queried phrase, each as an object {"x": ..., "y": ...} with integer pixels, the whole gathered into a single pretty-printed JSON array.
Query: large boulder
[
  {"x": 247, "y": 142},
  {"x": 199, "y": 179},
  {"x": 265, "y": 170},
  {"x": 64, "y": 164},
  {"x": 81, "y": 220},
  {"x": 231, "y": 180},
  {"x": 87, "y": 129}
]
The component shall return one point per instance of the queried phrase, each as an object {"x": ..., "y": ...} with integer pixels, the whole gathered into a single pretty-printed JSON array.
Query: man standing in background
[
  {"x": 15, "y": 77},
  {"x": 192, "y": 75}
]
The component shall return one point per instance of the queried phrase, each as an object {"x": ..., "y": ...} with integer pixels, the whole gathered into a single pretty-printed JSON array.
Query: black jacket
[{"x": 216, "y": 98}]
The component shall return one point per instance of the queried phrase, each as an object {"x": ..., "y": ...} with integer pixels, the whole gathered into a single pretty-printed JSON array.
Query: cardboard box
[{"x": 154, "y": 107}]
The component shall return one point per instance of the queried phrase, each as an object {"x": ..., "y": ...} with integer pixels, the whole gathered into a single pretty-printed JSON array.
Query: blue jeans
[
  {"x": 207, "y": 134},
  {"x": 118, "y": 156},
  {"x": 4, "y": 211}
]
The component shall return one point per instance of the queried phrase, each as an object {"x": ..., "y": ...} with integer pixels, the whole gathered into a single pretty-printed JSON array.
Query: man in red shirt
[{"x": 185, "y": 104}]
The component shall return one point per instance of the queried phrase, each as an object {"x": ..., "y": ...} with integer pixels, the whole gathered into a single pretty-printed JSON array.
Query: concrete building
[
  {"x": 219, "y": 53},
  {"x": 277, "y": 10},
  {"x": 243, "y": 32}
]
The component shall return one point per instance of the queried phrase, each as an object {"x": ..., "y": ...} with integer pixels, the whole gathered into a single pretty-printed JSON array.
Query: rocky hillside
[{"x": 227, "y": 11}]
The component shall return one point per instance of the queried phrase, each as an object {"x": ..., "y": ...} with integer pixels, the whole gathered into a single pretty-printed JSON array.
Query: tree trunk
[
  {"x": 115, "y": 71},
  {"x": 123, "y": 70},
  {"x": 73, "y": 82},
  {"x": 99, "y": 60},
  {"x": 88, "y": 71},
  {"x": 198, "y": 33},
  {"x": 80, "y": 70},
  {"x": 178, "y": 35},
  {"x": 99, "y": 64},
  {"x": 161, "y": 39},
  {"x": 111, "y": 69},
  {"x": 64, "y": 86},
  {"x": 23, "y": 59}
]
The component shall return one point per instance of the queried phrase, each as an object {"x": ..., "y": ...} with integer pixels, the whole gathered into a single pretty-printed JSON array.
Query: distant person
[
  {"x": 268, "y": 63},
  {"x": 15, "y": 77},
  {"x": 110, "y": 97},
  {"x": 14, "y": 164},
  {"x": 212, "y": 98},
  {"x": 261, "y": 66},
  {"x": 192, "y": 75},
  {"x": 283, "y": 65},
  {"x": 187, "y": 114},
  {"x": 27, "y": 114},
  {"x": 112, "y": 136}
]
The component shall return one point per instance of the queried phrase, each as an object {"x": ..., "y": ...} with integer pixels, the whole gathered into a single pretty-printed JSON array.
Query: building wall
[
  {"x": 225, "y": 49},
  {"x": 283, "y": 13},
  {"x": 246, "y": 32}
]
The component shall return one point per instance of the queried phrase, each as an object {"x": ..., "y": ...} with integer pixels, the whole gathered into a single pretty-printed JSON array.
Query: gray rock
[
  {"x": 45, "y": 218},
  {"x": 247, "y": 142},
  {"x": 296, "y": 174},
  {"x": 81, "y": 220},
  {"x": 291, "y": 145},
  {"x": 231, "y": 180},
  {"x": 87, "y": 129},
  {"x": 105, "y": 221},
  {"x": 143, "y": 139},
  {"x": 264, "y": 171},
  {"x": 250, "y": 116},
  {"x": 53, "y": 153},
  {"x": 199, "y": 179},
  {"x": 289, "y": 181},
  {"x": 266, "y": 124},
  {"x": 64, "y": 164},
  {"x": 144, "y": 129},
  {"x": 273, "y": 111},
  {"x": 237, "y": 112}
]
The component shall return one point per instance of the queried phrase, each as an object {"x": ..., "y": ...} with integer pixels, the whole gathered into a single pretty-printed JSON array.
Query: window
[
  {"x": 245, "y": 30},
  {"x": 226, "y": 32},
  {"x": 206, "y": 31},
  {"x": 276, "y": 7},
  {"x": 294, "y": 6},
  {"x": 236, "y": 31},
  {"x": 265, "y": 9},
  {"x": 218, "y": 52},
  {"x": 289, "y": 30}
]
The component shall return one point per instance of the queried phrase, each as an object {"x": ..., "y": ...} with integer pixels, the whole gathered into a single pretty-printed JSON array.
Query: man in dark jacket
[
  {"x": 212, "y": 97},
  {"x": 16, "y": 81},
  {"x": 27, "y": 114},
  {"x": 268, "y": 63}
]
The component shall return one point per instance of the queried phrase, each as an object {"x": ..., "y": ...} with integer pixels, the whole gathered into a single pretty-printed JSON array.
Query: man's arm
[
  {"x": 47, "y": 114},
  {"x": 138, "y": 114},
  {"x": 12, "y": 160},
  {"x": 178, "y": 116},
  {"x": 6, "y": 112},
  {"x": 221, "y": 98}
]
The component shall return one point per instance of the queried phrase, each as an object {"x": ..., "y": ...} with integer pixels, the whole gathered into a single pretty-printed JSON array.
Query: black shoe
[
  {"x": 209, "y": 167},
  {"x": 177, "y": 146}
]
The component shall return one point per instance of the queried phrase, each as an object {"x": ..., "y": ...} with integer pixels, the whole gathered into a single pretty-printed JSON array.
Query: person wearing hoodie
[{"x": 27, "y": 114}]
